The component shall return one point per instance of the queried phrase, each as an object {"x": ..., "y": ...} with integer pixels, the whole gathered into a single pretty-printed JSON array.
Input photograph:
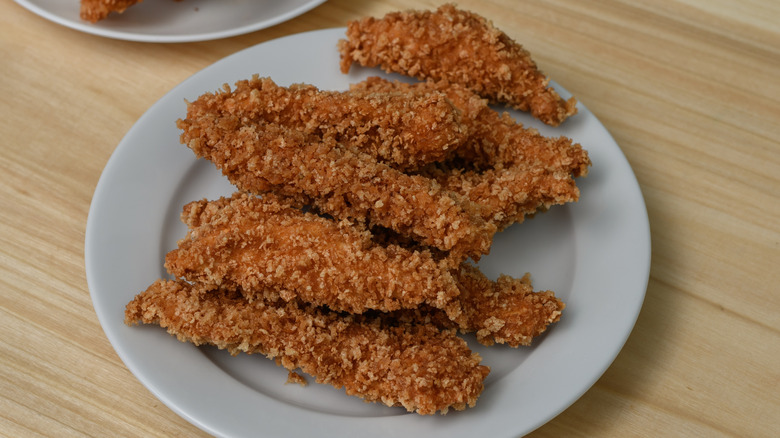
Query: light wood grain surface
[{"x": 689, "y": 89}]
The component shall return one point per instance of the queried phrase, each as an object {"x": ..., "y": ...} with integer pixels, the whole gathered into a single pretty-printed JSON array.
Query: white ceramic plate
[
  {"x": 169, "y": 21},
  {"x": 595, "y": 254}
]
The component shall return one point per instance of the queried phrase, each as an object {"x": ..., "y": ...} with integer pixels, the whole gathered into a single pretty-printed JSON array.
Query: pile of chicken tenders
[{"x": 348, "y": 249}]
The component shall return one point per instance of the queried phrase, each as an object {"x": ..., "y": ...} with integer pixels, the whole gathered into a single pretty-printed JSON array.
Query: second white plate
[
  {"x": 595, "y": 254},
  {"x": 169, "y": 21}
]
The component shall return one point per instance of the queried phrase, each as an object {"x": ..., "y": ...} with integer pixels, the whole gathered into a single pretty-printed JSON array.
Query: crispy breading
[
  {"x": 269, "y": 250},
  {"x": 421, "y": 368},
  {"x": 494, "y": 139},
  {"x": 512, "y": 170},
  {"x": 406, "y": 130},
  {"x": 336, "y": 180},
  {"x": 504, "y": 311},
  {"x": 510, "y": 194},
  {"x": 263, "y": 246},
  {"x": 96, "y": 10},
  {"x": 461, "y": 47}
]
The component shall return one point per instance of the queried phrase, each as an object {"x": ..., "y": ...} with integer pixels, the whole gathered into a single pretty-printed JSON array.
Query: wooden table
[{"x": 689, "y": 89}]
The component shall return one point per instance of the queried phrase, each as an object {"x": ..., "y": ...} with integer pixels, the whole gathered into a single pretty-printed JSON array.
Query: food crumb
[{"x": 293, "y": 377}]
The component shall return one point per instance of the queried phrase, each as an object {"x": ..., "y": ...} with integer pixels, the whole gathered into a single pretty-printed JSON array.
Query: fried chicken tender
[
  {"x": 263, "y": 246},
  {"x": 336, "y": 180},
  {"x": 405, "y": 130},
  {"x": 421, "y": 368},
  {"x": 511, "y": 194},
  {"x": 461, "y": 47},
  {"x": 504, "y": 311},
  {"x": 512, "y": 170},
  {"x": 96, "y": 10}
]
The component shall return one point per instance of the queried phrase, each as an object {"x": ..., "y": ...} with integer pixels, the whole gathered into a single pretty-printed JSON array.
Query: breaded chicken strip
[
  {"x": 405, "y": 130},
  {"x": 494, "y": 139},
  {"x": 504, "y": 311},
  {"x": 511, "y": 170},
  {"x": 510, "y": 194},
  {"x": 96, "y": 10},
  {"x": 336, "y": 180},
  {"x": 461, "y": 47},
  {"x": 418, "y": 367},
  {"x": 264, "y": 246}
]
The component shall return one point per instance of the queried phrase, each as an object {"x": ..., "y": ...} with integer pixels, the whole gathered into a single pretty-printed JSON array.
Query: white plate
[
  {"x": 169, "y": 21},
  {"x": 595, "y": 254}
]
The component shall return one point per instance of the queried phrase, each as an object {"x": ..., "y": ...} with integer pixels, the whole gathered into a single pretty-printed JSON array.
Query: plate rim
[
  {"x": 97, "y": 30},
  {"x": 630, "y": 314}
]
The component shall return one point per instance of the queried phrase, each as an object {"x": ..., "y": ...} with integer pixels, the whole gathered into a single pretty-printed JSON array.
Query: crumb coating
[
  {"x": 421, "y": 368},
  {"x": 505, "y": 311},
  {"x": 461, "y": 47},
  {"x": 511, "y": 170},
  {"x": 96, "y": 10},
  {"x": 406, "y": 130},
  {"x": 336, "y": 180},
  {"x": 264, "y": 246}
]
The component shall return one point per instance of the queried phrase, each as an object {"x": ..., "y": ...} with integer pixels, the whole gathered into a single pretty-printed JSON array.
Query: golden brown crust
[
  {"x": 461, "y": 47},
  {"x": 418, "y": 367},
  {"x": 510, "y": 194},
  {"x": 265, "y": 247},
  {"x": 335, "y": 179},
  {"x": 405, "y": 130},
  {"x": 269, "y": 250},
  {"x": 504, "y": 311},
  {"x": 96, "y": 10},
  {"x": 511, "y": 170}
]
